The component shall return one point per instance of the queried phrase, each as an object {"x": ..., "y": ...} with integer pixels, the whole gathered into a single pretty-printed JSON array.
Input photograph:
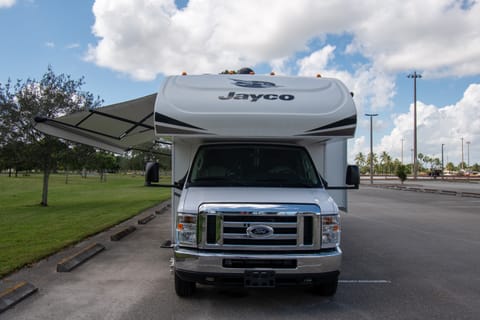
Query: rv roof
[{"x": 254, "y": 106}]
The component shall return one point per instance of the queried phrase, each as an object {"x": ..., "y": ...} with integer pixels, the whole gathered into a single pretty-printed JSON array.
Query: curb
[
  {"x": 70, "y": 263},
  {"x": 147, "y": 219},
  {"x": 449, "y": 192},
  {"x": 470, "y": 194},
  {"x": 430, "y": 190},
  {"x": 15, "y": 294},
  {"x": 125, "y": 232}
]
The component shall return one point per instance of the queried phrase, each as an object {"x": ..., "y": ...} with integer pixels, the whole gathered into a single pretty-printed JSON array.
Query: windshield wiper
[
  {"x": 210, "y": 179},
  {"x": 213, "y": 181},
  {"x": 284, "y": 182}
]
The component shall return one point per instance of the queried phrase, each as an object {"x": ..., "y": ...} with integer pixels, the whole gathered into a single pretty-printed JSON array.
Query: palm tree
[
  {"x": 360, "y": 159},
  {"x": 385, "y": 161}
]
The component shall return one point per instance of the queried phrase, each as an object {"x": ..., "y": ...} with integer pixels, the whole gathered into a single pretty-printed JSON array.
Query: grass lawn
[{"x": 29, "y": 232}]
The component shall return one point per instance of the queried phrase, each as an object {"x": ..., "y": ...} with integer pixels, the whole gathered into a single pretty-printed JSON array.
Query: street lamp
[
  {"x": 414, "y": 75},
  {"x": 463, "y": 167},
  {"x": 468, "y": 154},
  {"x": 402, "y": 149},
  {"x": 442, "y": 160},
  {"x": 371, "y": 115},
  {"x": 411, "y": 150}
]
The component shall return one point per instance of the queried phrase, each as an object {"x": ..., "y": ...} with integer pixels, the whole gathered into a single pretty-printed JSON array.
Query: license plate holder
[{"x": 259, "y": 279}]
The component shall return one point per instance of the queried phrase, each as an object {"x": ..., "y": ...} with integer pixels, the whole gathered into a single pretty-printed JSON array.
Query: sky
[{"x": 124, "y": 49}]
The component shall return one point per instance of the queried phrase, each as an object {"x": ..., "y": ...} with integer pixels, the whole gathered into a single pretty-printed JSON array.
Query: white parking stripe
[{"x": 364, "y": 281}]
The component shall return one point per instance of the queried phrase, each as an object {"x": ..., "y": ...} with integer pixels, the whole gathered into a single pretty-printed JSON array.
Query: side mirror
[
  {"x": 151, "y": 173},
  {"x": 353, "y": 176}
]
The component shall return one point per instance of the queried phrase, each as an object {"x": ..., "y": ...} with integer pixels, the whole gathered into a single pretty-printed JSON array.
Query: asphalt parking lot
[{"x": 407, "y": 255}]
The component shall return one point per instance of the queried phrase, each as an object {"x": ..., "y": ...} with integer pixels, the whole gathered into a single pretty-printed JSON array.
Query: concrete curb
[
  {"x": 70, "y": 263},
  {"x": 429, "y": 190},
  {"x": 147, "y": 219},
  {"x": 123, "y": 233},
  {"x": 15, "y": 294},
  {"x": 470, "y": 194}
]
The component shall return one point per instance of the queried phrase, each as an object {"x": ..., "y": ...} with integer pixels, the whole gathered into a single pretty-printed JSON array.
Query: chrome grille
[{"x": 259, "y": 227}]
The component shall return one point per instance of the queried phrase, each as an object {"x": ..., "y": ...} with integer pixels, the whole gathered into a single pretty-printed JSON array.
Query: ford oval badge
[{"x": 259, "y": 231}]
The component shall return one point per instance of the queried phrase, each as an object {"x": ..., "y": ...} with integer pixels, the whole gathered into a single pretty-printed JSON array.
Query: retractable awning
[{"x": 118, "y": 127}]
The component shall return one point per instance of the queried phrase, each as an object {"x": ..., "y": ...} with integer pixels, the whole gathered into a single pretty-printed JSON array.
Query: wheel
[
  {"x": 326, "y": 289},
  {"x": 184, "y": 288}
]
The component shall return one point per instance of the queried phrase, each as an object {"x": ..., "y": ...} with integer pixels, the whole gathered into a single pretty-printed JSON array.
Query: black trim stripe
[
  {"x": 172, "y": 131},
  {"x": 344, "y": 132},
  {"x": 344, "y": 122},
  {"x": 167, "y": 120}
]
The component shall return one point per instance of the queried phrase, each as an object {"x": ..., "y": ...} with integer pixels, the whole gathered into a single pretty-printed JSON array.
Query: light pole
[
  {"x": 468, "y": 154},
  {"x": 414, "y": 75},
  {"x": 411, "y": 150},
  {"x": 442, "y": 160},
  {"x": 402, "y": 149},
  {"x": 371, "y": 115},
  {"x": 463, "y": 167}
]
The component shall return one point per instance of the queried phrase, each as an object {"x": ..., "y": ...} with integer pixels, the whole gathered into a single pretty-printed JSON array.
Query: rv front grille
[{"x": 259, "y": 227}]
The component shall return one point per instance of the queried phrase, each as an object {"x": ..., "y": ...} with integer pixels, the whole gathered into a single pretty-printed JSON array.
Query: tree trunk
[{"x": 46, "y": 176}]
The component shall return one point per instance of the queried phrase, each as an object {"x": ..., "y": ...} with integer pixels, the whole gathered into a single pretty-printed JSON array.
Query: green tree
[
  {"x": 401, "y": 173},
  {"x": 105, "y": 162},
  {"x": 52, "y": 96},
  {"x": 450, "y": 166},
  {"x": 385, "y": 162},
  {"x": 360, "y": 159}
]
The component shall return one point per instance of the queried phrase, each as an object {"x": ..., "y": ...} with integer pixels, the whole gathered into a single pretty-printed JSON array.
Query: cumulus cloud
[
  {"x": 145, "y": 38},
  {"x": 373, "y": 89},
  {"x": 6, "y": 3},
  {"x": 437, "y": 36},
  {"x": 436, "y": 125}
]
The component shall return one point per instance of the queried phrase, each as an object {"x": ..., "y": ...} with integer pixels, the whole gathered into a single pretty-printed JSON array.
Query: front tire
[{"x": 184, "y": 288}]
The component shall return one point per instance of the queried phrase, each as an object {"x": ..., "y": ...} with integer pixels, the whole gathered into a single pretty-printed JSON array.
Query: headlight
[
  {"x": 187, "y": 230},
  {"x": 330, "y": 231}
]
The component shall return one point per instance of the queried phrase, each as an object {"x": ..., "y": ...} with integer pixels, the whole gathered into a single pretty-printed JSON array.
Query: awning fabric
[{"x": 117, "y": 128}]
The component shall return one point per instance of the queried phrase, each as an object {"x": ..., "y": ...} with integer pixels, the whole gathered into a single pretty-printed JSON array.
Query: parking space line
[{"x": 366, "y": 281}]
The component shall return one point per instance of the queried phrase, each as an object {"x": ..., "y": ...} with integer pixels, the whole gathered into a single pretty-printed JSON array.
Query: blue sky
[{"x": 125, "y": 48}]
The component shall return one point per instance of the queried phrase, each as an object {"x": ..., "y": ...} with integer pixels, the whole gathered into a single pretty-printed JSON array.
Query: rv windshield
[{"x": 253, "y": 165}]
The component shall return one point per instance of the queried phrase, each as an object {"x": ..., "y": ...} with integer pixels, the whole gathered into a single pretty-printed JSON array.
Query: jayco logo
[{"x": 255, "y": 97}]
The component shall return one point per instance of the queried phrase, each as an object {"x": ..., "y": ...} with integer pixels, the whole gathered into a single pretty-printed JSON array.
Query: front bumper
[{"x": 220, "y": 268}]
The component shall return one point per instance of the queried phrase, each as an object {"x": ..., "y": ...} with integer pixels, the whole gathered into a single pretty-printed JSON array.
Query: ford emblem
[{"x": 259, "y": 231}]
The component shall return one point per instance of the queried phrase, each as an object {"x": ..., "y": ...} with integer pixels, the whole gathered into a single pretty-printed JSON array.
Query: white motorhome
[{"x": 251, "y": 157}]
